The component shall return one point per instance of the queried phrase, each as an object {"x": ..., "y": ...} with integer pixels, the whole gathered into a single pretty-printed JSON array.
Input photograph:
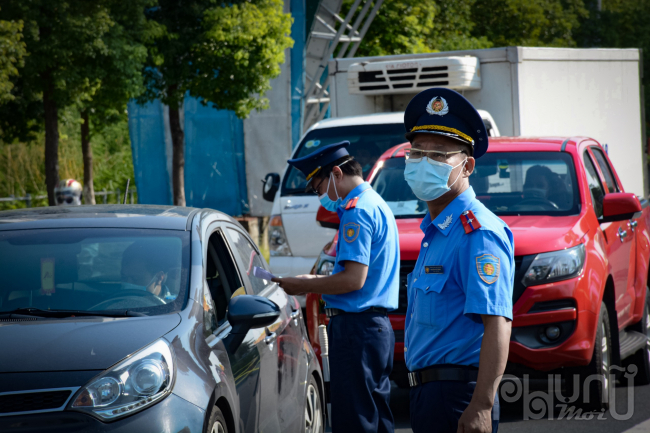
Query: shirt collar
[
  {"x": 354, "y": 193},
  {"x": 450, "y": 214}
]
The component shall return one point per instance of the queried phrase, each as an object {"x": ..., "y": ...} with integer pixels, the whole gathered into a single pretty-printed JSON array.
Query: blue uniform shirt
[
  {"x": 368, "y": 235},
  {"x": 458, "y": 277}
]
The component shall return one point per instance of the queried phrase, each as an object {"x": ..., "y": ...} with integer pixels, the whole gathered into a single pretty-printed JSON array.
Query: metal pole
[
  {"x": 364, "y": 29},
  {"x": 127, "y": 190},
  {"x": 105, "y": 196},
  {"x": 118, "y": 193},
  {"x": 28, "y": 200},
  {"x": 355, "y": 26}
]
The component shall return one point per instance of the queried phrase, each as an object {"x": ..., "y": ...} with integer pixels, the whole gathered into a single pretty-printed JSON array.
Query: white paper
[{"x": 263, "y": 274}]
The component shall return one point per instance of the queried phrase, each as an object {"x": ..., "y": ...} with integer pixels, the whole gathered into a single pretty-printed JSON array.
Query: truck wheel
[
  {"x": 642, "y": 358},
  {"x": 594, "y": 378}
]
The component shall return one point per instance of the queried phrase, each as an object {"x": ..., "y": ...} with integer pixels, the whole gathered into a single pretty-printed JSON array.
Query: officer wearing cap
[
  {"x": 362, "y": 289},
  {"x": 460, "y": 292}
]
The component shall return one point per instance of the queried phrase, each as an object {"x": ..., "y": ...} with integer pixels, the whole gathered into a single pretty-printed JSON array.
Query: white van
[{"x": 295, "y": 238}]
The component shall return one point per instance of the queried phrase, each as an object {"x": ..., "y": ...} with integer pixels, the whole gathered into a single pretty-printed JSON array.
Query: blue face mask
[
  {"x": 325, "y": 199},
  {"x": 428, "y": 179}
]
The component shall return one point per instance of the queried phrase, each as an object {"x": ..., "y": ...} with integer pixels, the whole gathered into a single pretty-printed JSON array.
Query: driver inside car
[
  {"x": 539, "y": 181},
  {"x": 142, "y": 270}
]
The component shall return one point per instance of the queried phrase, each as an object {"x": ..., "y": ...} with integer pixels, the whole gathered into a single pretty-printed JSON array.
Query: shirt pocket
[{"x": 429, "y": 307}]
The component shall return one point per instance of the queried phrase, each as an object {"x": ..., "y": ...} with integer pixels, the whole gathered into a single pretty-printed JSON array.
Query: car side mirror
[
  {"x": 271, "y": 185},
  {"x": 327, "y": 219},
  {"x": 619, "y": 206},
  {"x": 248, "y": 312}
]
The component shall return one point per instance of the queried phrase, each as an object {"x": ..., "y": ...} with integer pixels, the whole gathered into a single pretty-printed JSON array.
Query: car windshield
[
  {"x": 507, "y": 183},
  {"x": 143, "y": 271},
  {"x": 367, "y": 143}
]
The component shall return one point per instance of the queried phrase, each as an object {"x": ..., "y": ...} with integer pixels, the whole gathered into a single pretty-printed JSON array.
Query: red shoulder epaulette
[
  {"x": 470, "y": 223},
  {"x": 352, "y": 203}
]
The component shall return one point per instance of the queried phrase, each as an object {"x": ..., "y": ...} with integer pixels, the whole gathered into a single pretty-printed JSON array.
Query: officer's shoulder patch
[
  {"x": 351, "y": 203},
  {"x": 351, "y": 232},
  {"x": 488, "y": 267},
  {"x": 470, "y": 222}
]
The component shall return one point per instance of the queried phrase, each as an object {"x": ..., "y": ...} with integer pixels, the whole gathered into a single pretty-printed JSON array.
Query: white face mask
[{"x": 428, "y": 179}]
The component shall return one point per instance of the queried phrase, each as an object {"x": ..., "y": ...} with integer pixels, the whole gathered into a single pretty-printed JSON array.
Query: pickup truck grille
[{"x": 32, "y": 401}]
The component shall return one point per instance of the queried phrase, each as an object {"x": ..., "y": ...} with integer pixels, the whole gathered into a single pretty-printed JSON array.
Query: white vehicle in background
[{"x": 295, "y": 237}]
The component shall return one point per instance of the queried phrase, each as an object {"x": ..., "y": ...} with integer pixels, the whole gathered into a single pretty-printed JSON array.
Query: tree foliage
[
  {"x": 224, "y": 54},
  {"x": 12, "y": 51}
]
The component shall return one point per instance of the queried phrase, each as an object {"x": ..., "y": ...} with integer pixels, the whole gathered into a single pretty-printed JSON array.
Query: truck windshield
[
  {"x": 144, "y": 271},
  {"x": 508, "y": 183},
  {"x": 367, "y": 143}
]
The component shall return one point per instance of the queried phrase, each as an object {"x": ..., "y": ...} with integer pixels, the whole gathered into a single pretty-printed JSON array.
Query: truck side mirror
[
  {"x": 619, "y": 206},
  {"x": 327, "y": 219},
  {"x": 248, "y": 312},
  {"x": 271, "y": 185}
]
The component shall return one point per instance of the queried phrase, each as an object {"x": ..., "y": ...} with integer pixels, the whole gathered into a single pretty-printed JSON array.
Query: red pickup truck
[{"x": 582, "y": 250}]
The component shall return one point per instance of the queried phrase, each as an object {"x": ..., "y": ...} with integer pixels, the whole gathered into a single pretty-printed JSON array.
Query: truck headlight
[
  {"x": 278, "y": 244},
  {"x": 555, "y": 266},
  {"x": 326, "y": 268},
  {"x": 139, "y": 381}
]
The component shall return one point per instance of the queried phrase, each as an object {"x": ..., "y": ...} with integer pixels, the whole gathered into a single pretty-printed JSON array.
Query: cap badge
[{"x": 438, "y": 106}]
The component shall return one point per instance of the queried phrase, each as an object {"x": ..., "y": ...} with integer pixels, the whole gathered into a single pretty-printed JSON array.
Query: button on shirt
[
  {"x": 368, "y": 235},
  {"x": 458, "y": 277}
]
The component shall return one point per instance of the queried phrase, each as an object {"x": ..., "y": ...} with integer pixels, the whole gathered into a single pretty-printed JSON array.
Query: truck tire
[
  {"x": 596, "y": 397},
  {"x": 642, "y": 357}
]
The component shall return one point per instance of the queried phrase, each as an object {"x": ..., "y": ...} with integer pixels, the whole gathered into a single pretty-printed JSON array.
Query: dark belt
[
  {"x": 461, "y": 373},
  {"x": 331, "y": 312}
]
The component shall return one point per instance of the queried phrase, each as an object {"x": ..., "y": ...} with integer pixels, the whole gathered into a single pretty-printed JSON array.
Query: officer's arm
[
  {"x": 477, "y": 417},
  {"x": 493, "y": 358},
  {"x": 352, "y": 278}
]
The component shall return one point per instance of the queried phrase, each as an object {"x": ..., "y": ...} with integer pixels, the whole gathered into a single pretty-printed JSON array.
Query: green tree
[
  {"x": 223, "y": 53},
  {"x": 117, "y": 70},
  {"x": 528, "y": 22},
  {"x": 12, "y": 51},
  {"x": 60, "y": 36}
]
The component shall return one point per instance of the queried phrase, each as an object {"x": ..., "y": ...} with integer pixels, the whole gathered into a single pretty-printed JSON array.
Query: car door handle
[
  {"x": 622, "y": 234},
  {"x": 294, "y": 317},
  {"x": 633, "y": 225},
  {"x": 270, "y": 338}
]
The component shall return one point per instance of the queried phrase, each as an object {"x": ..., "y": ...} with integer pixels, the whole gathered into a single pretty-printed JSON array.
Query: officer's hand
[
  {"x": 475, "y": 420},
  {"x": 291, "y": 286}
]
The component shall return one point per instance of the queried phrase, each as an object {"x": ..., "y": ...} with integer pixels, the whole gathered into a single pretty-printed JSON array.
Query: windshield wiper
[{"x": 37, "y": 312}]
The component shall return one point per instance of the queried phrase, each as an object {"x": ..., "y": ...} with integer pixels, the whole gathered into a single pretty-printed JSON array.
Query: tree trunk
[
  {"x": 89, "y": 189},
  {"x": 51, "y": 138},
  {"x": 178, "y": 158}
]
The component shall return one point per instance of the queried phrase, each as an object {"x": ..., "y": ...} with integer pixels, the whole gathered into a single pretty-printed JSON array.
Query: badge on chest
[{"x": 434, "y": 269}]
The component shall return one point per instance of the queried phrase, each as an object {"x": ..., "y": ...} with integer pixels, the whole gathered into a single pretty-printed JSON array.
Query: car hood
[
  {"x": 77, "y": 344},
  {"x": 539, "y": 234},
  {"x": 533, "y": 234}
]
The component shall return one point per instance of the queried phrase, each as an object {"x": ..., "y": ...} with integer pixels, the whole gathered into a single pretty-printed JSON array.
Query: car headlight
[
  {"x": 139, "y": 381},
  {"x": 326, "y": 268},
  {"x": 278, "y": 244},
  {"x": 555, "y": 266}
]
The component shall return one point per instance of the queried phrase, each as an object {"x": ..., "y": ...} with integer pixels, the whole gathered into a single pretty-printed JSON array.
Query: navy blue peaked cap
[
  {"x": 311, "y": 164},
  {"x": 444, "y": 111}
]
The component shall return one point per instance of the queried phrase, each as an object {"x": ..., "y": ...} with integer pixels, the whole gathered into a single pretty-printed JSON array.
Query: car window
[
  {"x": 508, "y": 183},
  {"x": 94, "y": 269},
  {"x": 612, "y": 186},
  {"x": 250, "y": 258},
  {"x": 596, "y": 189},
  {"x": 367, "y": 143},
  {"x": 221, "y": 277}
]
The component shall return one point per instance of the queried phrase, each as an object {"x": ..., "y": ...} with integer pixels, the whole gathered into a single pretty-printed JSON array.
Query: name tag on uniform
[{"x": 433, "y": 270}]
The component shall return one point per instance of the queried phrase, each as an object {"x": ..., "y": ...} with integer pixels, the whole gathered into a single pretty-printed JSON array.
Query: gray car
[{"x": 147, "y": 319}]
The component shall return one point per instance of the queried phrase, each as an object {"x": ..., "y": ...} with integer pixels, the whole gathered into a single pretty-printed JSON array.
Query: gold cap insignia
[{"x": 438, "y": 106}]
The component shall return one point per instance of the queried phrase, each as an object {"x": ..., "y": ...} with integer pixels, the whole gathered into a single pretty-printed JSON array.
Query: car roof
[
  {"x": 371, "y": 119},
  {"x": 103, "y": 216}
]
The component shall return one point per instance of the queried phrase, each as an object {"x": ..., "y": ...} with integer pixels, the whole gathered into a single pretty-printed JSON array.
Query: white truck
[{"x": 524, "y": 91}]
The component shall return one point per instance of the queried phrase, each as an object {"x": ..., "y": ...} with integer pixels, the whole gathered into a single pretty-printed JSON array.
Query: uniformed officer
[
  {"x": 460, "y": 293},
  {"x": 359, "y": 293}
]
